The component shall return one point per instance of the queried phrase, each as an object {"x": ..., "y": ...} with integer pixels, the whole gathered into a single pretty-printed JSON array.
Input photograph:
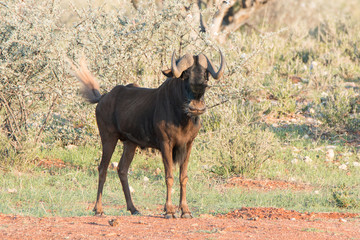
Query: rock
[
  {"x": 146, "y": 179},
  {"x": 343, "y": 167},
  {"x": 295, "y": 149},
  {"x": 330, "y": 154},
  {"x": 294, "y": 161},
  {"x": 308, "y": 160},
  {"x": 113, "y": 222},
  {"x": 114, "y": 165},
  {"x": 12, "y": 190},
  {"x": 330, "y": 147},
  {"x": 157, "y": 171},
  {"x": 71, "y": 147}
]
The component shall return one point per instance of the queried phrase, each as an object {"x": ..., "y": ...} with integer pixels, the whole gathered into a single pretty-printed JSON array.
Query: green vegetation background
[{"x": 286, "y": 109}]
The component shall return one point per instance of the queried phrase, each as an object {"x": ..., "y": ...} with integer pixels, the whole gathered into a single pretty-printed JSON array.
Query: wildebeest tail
[{"x": 90, "y": 89}]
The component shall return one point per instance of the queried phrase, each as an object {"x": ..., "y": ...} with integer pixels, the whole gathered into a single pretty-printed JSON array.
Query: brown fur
[{"x": 165, "y": 118}]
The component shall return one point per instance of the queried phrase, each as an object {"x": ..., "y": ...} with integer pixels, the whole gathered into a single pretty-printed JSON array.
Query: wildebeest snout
[{"x": 197, "y": 107}]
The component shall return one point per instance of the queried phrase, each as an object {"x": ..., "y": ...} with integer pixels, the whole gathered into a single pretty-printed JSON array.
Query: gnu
[{"x": 165, "y": 118}]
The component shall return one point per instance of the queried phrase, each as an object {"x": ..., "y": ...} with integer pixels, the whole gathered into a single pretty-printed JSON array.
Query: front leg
[
  {"x": 166, "y": 152},
  {"x": 185, "y": 211}
]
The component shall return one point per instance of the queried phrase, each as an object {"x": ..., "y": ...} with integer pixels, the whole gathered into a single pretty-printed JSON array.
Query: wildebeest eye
[{"x": 185, "y": 75}]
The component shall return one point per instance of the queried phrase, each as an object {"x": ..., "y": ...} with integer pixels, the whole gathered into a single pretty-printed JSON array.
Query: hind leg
[
  {"x": 108, "y": 145},
  {"x": 123, "y": 168}
]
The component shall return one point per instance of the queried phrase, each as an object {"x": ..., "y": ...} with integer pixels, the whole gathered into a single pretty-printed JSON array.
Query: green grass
[{"x": 71, "y": 191}]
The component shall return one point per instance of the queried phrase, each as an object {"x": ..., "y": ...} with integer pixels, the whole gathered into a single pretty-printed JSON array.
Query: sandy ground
[{"x": 245, "y": 223}]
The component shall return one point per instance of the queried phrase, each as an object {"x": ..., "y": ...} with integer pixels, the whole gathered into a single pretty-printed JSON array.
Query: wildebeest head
[{"x": 194, "y": 71}]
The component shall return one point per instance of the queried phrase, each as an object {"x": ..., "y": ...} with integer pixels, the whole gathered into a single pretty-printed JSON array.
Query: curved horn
[
  {"x": 184, "y": 63},
  {"x": 220, "y": 72},
  {"x": 174, "y": 68}
]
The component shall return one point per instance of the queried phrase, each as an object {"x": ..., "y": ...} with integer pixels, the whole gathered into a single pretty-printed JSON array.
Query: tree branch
[{"x": 219, "y": 16}]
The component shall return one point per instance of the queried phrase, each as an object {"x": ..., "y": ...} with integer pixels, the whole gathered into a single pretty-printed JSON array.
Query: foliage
[
  {"x": 244, "y": 151},
  {"x": 339, "y": 110},
  {"x": 344, "y": 197},
  {"x": 40, "y": 107}
]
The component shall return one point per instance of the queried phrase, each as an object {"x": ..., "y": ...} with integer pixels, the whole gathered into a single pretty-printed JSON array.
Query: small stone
[
  {"x": 330, "y": 147},
  {"x": 330, "y": 154},
  {"x": 113, "y": 222},
  {"x": 295, "y": 149},
  {"x": 306, "y": 136},
  {"x": 308, "y": 160},
  {"x": 12, "y": 190},
  {"x": 71, "y": 147},
  {"x": 342, "y": 220},
  {"x": 114, "y": 165},
  {"x": 356, "y": 164},
  {"x": 293, "y": 219},
  {"x": 294, "y": 161},
  {"x": 316, "y": 192},
  {"x": 146, "y": 179},
  {"x": 157, "y": 171},
  {"x": 343, "y": 167}
]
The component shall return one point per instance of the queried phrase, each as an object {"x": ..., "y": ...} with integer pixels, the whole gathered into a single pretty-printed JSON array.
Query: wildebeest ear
[{"x": 168, "y": 73}]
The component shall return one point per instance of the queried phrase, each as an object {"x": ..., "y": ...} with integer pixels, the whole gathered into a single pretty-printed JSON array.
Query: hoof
[
  {"x": 169, "y": 216},
  {"x": 186, "y": 215},
  {"x": 99, "y": 214},
  {"x": 136, "y": 213}
]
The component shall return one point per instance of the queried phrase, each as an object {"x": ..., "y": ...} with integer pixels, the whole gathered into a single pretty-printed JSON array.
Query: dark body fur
[{"x": 149, "y": 117}]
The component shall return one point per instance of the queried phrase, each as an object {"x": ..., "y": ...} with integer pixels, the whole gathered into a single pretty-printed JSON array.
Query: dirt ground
[
  {"x": 243, "y": 223},
  {"x": 231, "y": 226}
]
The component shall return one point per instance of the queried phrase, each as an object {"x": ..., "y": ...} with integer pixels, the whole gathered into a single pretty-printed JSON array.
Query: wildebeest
[{"x": 165, "y": 118}]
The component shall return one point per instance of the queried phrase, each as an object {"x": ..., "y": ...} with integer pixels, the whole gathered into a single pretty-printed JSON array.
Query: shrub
[
  {"x": 339, "y": 111},
  {"x": 244, "y": 150},
  {"x": 344, "y": 197}
]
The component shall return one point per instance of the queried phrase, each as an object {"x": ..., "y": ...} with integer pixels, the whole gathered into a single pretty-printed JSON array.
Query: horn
[
  {"x": 184, "y": 63},
  {"x": 220, "y": 72}
]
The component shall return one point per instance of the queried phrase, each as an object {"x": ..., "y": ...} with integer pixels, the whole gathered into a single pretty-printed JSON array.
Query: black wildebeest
[{"x": 165, "y": 118}]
